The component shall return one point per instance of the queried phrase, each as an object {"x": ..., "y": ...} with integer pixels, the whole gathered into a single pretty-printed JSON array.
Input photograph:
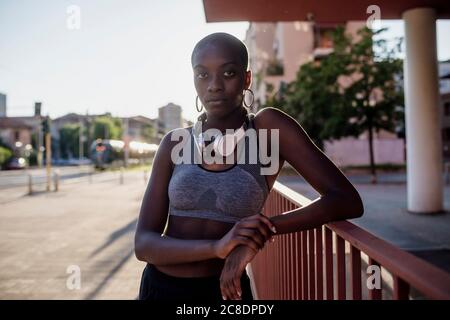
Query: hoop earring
[
  {"x": 253, "y": 99},
  {"x": 196, "y": 105}
]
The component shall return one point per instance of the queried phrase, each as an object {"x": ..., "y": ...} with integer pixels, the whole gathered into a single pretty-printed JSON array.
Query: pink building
[{"x": 277, "y": 51}]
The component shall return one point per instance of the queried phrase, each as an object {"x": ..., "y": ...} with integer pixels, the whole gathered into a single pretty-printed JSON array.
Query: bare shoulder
[
  {"x": 174, "y": 136},
  {"x": 170, "y": 140},
  {"x": 289, "y": 129},
  {"x": 273, "y": 118}
]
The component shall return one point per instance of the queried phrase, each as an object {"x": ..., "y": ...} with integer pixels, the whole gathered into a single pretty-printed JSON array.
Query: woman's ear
[{"x": 248, "y": 79}]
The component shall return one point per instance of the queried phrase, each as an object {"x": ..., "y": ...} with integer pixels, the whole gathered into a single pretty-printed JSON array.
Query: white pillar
[{"x": 423, "y": 126}]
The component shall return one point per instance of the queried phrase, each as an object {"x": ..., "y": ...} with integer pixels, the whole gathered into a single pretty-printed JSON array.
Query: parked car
[{"x": 16, "y": 163}]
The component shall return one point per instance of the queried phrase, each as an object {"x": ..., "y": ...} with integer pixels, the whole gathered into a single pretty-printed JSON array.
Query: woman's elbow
[
  {"x": 350, "y": 204},
  {"x": 354, "y": 205},
  {"x": 138, "y": 248}
]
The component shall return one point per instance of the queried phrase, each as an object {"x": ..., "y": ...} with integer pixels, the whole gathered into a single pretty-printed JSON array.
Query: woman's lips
[{"x": 215, "y": 101}]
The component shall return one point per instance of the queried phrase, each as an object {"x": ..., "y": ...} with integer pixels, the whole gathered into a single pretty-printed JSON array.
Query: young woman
[{"x": 201, "y": 223}]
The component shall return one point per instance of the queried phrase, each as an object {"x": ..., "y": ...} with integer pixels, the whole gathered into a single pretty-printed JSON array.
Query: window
[
  {"x": 323, "y": 37},
  {"x": 447, "y": 109},
  {"x": 446, "y": 135}
]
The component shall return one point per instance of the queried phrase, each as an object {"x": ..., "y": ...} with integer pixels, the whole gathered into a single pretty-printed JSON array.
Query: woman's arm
[
  {"x": 150, "y": 244},
  {"x": 338, "y": 199}
]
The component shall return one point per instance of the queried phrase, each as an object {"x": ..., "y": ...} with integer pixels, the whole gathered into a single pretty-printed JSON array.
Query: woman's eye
[
  {"x": 202, "y": 75},
  {"x": 228, "y": 73}
]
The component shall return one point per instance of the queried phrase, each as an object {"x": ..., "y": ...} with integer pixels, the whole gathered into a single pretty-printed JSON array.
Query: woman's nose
[{"x": 215, "y": 84}]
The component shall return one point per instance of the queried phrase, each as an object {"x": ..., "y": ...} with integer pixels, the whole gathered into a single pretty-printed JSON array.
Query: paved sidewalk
[{"x": 88, "y": 225}]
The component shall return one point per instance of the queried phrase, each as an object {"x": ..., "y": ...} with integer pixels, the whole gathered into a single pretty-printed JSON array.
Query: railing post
[
  {"x": 121, "y": 175},
  {"x": 401, "y": 289},
  {"x": 375, "y": 294},
  {"x": 311, "y": 258},
  {"x": 304, "y": 266},
  {"x": 329, "y": 263},
  {"x": 319, "y": 264},
  {"x": 355, "y": 276},
  {"x": 340, "y": 262},
  {"x": 298, "y": 265}
]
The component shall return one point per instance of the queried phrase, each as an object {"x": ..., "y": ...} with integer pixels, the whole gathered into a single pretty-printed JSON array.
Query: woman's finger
[
  {"x": 255, "y": 224},
  {"x": 237, "y": 287},
  {"x": 247, "y": 242},
  {"x": 254, "y": 235}
]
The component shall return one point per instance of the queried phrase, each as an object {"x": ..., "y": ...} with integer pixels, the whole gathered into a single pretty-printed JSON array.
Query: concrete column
[{"x": 423, "y": 126}]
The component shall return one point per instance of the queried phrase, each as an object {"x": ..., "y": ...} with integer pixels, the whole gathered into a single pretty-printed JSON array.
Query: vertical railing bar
[
  {"x": 401, "y": 289},
  {"x": 329, "y": 263},
  {"x": 319, "y": 264},
  {"x": 340, "y": 262},
  {"x": 375, "y": 293},
  {"x": 304, "y": 266},
  {"x": 355, "y": 277},
  {"x": 299, "y": 266},
  {"x": 311, "y": 258}
]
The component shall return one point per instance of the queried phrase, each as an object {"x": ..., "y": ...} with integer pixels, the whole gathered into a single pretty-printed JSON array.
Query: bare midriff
[{"x": 195, "y": 229}]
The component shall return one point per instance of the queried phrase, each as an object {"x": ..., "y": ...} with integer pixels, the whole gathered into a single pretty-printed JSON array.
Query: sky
[{"x": 127, "y": 57}]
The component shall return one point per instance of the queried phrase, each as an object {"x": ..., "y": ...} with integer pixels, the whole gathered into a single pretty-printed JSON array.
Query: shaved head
[{"x": 226, "y": 41}]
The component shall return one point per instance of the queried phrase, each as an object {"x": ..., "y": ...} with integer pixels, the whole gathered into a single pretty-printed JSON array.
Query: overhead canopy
[{"x": 323, "y": 11}]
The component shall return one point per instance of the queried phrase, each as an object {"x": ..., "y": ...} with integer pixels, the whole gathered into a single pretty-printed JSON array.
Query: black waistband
[
  {"x": 156, "y": 274},
  {"x": 178, "y": 280}
]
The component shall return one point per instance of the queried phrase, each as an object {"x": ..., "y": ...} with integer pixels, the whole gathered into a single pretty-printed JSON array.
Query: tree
[
  {"x": 5, "y": 155},
  {"x": 148, "y": 132},
  {"x": 375, "y": 94},
  {"x": 106, "y": 127},
  {"x": 69, "y": 140},
  {"x": 353, "y": 90}
]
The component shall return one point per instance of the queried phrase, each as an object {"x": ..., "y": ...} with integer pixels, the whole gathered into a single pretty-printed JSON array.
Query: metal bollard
[
  {"x": 30, "y": 184},
  {"x": 121, "y": 175},
  {"x": 90, "y": 172},
  {"x": 56, "y": 180}
]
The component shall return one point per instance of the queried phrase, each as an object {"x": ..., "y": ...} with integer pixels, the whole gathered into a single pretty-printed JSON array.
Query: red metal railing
[{"x": 330, "y": 263}]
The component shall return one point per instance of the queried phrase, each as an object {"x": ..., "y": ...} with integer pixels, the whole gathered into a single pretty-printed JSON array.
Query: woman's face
[{"x": 219, "y": 79}]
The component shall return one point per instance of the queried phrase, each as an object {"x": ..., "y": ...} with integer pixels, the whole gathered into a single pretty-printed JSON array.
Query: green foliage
[
  {"x": 5, "y": 155},
  {"x": 148, "y": 132},
  {"x": 69, "y": 140},
  {"x": 107, "y": 128},
  {"x": 275, "y": 68}
]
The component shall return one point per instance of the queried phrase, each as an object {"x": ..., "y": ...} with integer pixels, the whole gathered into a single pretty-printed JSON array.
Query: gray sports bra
[{"x": 227, "y": 195}]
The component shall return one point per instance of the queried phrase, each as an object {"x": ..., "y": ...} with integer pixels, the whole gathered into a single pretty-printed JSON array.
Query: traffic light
[{"x": 45, "y": 125}]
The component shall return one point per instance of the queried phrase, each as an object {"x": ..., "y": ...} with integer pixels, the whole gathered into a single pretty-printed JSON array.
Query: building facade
[
  {"x": 169, "y": 118},
  {"x": 278, "y": 50},
  {"x": 2, "y": 105}
]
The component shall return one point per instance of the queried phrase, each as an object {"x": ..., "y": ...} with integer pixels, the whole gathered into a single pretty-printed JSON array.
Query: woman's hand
[
  {"x": 252, "y": 231},
  {"x": 230, "y": 279}
]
